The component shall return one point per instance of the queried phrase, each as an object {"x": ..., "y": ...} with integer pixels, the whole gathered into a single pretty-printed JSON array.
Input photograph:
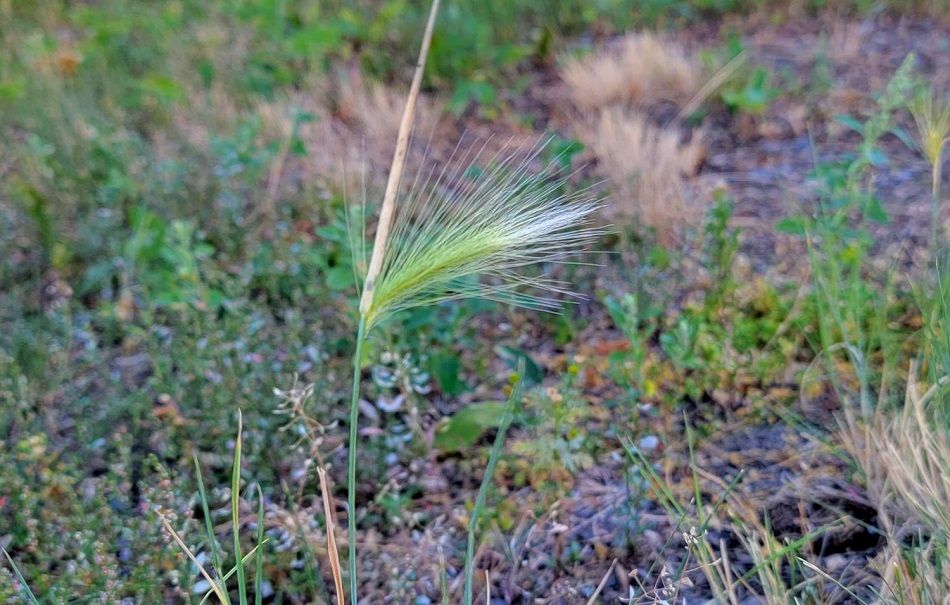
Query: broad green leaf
[
  {"x": 463, "y": 429},
  {"x": 794, "y": 225},
  {"x": 850, "y": 122},
  {"x": 447, "y": 371},
  {"x": 340, "y": 278}
]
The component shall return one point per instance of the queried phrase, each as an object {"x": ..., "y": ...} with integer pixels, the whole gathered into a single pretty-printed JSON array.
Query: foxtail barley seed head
[
  {"x": 932, "y": 117},
  {"x": 452, "y": 240}
]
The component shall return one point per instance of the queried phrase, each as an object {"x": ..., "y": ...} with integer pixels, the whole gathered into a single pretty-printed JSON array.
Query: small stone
[{"x": 834, "y": 563}]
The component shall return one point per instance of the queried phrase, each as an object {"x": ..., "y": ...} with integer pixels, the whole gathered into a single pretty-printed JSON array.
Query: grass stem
[
  {"x": 351, "y": 460},
  {"x": 22, "y": 587},
  {"x": 936, "y": 231},
  {"x": 369, "y": 284},
  {"x": 486, "y": 481},
  {"x": 235, "y": 516}
]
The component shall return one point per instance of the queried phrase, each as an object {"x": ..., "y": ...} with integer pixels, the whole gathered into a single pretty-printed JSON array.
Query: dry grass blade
[
  {"x": 22, "y": 587},
  {"x": 822, "y": 573},
  {"x": 903, "y": 455},
  {"x": 915, "y": 451},
  {"x": 711, "y": 86},
  {"x": 332, "y": 551},
  {"x": 603, "y": 583},
  {"x": 215, "y": 587},
  {"x": 395, "y": 171}
]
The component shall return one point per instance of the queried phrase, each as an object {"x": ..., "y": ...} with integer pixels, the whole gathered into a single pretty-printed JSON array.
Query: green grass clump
[{"x": 219, "y": 578}]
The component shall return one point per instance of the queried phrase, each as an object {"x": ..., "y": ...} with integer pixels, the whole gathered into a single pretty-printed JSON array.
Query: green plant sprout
[{"x": 218, "y": 580}]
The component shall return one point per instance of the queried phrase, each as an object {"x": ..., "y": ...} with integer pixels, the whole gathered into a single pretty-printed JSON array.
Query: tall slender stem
[
  {"x": 369, "y": 284},
  {"x": 351, "y": 460},
  {"x": 235, "y": 517},
  {"x": 936, "y": 232},
  {"x": 487, "y": 478}
]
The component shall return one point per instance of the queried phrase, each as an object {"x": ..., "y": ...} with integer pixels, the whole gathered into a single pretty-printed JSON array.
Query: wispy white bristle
[{"x": 451, "y": 229}]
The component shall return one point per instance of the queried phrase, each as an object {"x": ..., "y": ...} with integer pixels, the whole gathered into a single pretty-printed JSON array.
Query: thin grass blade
[
  {"x": 217, "y": 587},
  {"x": 216, "y": 562},
  {"x": 23, "y": 588},
  {"x": 225, "y": 577},
  {"x": 332, "y": 551},
  {"x": 487, "y": 478},
  {"x": 235, "y": 520},
  {"x": 259, "y": 556}
]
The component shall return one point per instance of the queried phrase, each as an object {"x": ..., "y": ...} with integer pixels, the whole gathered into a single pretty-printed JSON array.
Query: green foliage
[
  {"x": 462, "y": 429},
  {"x": 165, "y": 259},
  {"x": 507, "y": 415},
  {"x": 936, "y": 311},
  {"x": 638, "y": 324},
  {"x": 850, "y": 305},
  {"x": 54, "y": 511},
  {"x": 557, "y": 446},
  {"x": 750, "y": 94},
  {"x": 728, "y": 333},
  {"x": 744, "y": 91}
]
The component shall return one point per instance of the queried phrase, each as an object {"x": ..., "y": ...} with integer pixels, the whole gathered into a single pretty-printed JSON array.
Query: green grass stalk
[
  {"x": 23, "y": 588},
  {"x": 369, "y": 285},
  {"x": 493, "y": 457},
  {"x": 209, "y": 526},
  {"x": 935, "y": 230},
  {"x": 931, "y": 113},
  {"x": 209, "y": 530},
  {"x": 235, "y": 521},
  {"x": 351, "y": 461}
]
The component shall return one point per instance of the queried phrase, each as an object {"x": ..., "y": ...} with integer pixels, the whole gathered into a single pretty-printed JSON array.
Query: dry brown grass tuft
[
  {"x": 915, "y": 451},
  {"x": 644, "y": 69},
  {"x": 375, "y": 111},
  {"x": 846, "y": 39},
  {"x": 348, "y": 134},
  {"x": 337, "y": 157},
  {"x": 647, "y": 167},
  {"x": 903, "y": 455}
]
